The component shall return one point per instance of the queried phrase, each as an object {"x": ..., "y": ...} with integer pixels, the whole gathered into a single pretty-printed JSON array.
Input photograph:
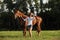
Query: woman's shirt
[{"x": 29, "y": 19}]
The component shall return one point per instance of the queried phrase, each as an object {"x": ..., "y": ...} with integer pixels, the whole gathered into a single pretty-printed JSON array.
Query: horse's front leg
[{"x": 24, "y": 30}]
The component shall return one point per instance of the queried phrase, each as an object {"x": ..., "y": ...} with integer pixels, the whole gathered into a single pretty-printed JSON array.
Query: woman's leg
[{"x": 30, "y": 31}]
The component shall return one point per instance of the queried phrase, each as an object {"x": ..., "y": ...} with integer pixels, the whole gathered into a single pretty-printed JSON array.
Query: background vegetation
[{"x": 51, "y": 19}]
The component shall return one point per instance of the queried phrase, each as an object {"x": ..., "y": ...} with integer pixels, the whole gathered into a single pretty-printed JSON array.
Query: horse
[{"x": 37, "y": 21}]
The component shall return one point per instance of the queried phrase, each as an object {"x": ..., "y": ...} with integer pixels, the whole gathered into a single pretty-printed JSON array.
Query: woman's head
[{"x": 31, "y": 14}]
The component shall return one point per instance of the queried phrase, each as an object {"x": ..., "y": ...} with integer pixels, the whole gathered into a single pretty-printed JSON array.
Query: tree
[{"x": 9, "y": 4}]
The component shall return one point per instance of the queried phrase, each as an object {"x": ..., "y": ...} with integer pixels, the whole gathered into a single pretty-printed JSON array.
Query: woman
[{"x": 29, "y": 19}]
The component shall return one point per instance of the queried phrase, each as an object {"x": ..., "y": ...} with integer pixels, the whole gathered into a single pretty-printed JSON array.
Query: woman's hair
[{"x": 31, "y": 14}]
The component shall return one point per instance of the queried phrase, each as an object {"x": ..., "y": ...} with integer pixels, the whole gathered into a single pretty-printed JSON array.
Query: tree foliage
[{"x": 51, "y": 19}]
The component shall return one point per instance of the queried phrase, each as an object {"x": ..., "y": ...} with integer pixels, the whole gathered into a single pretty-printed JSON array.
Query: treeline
[{"x": 51, "y": 19}]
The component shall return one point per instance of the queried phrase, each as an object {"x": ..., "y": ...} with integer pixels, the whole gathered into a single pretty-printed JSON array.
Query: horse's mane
[{"x": 21, "y": 11}]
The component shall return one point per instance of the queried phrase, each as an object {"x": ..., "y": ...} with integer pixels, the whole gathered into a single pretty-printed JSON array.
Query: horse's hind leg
[{"x": 38, "y": 28}]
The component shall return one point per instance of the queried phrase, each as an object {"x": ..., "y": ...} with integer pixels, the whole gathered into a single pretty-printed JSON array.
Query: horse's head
[
  {"x": 17, "y": 14},
  {"x": 20, "y": 15}
]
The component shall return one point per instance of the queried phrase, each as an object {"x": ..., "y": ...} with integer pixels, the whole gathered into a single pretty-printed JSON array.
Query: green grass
[{"x": 18, "y": 35}]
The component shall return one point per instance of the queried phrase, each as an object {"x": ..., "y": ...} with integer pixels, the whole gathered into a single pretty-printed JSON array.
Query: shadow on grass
[
  {"x": 14, "y": 36},
  {"x": 10, "y": 36}
]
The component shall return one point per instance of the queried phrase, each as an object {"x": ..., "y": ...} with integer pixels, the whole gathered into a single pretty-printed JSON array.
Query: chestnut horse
[{"x": 37, "y": 20}]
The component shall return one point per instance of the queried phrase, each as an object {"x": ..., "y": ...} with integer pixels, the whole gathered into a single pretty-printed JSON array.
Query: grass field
[{"x": 18, "y": 35}]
